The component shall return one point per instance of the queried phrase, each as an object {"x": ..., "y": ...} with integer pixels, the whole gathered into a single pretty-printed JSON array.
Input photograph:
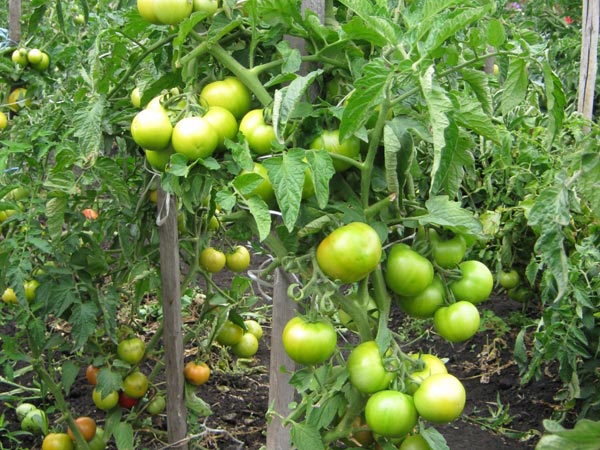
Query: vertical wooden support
[
  {"x": 172, "y": 319},
  {"x": 281, "y": 393},
  {"x": 589, "y": 58},
  {"x": 14, "y": 21}
]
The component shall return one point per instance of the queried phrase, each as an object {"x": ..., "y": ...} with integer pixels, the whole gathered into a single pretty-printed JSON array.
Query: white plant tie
[{"x": 164, "y": 206}]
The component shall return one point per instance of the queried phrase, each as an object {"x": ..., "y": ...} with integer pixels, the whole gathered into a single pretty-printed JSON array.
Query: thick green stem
[
  {"x": 358, "y": 315},
  {"x": 246, "y": 76},
  {"x": 382, "y": 298},
  {"x": 380, "y": 205}
]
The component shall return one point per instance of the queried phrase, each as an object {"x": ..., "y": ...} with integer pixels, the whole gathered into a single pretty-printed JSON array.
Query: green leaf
[
  {"x": 305, "y": 437},
  {"x": 55, "y": 213},
  {"x": 555, "y": 103},
  {"x": 588, "y": 183},
  {"x": 123, "y": 434},
  {"x": 194, "y": 403},
  {"x": 369, "y": 92},
  {"x": 83, "y": 319},
  {"x": 286, "y": 100},
  {"x": 398, "y": 148},
  {"x": 87, "y": 123},
  {"x": 585, "y": 435},
  {"x": 374, "y": 26},
  {"x": 471, "y": 115},
  {"x": 445, "y": 213},
  {"x": 262, "y": 216},
  {"x": 496, "y": 36},
  {"x": 515, "y": 86},
  {"x": 178, "y": 166},
  {"x": 321, "y": 170},
  {"x": 478, "y": 81},
  {"x": 69, "y": 373},
  {"x": 434, "y": 438},
  {"x": 286, "y": 174}
]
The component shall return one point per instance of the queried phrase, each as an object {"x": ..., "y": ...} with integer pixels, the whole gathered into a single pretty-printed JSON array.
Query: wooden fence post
[
  {"x": 589, "y": 58},
  {"x": 172, "y": 319},
  {"x": 14, "y": 21},
  {"x": 281, "y": 393}
]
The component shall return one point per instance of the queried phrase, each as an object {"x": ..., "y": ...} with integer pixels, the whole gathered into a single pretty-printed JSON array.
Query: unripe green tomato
[
  {"x": 171, "y": 12},
  {"x": 30, "y": 287},
  {"x": 509, "y": 279},
  {"x": 391, "y": 413},
  {"x": 330, "y": 142},
  {"x": 36, "y": 422},
  {"x": 229, "y": 93},
  {"x": 158, "y": 160},
  {"x": 19, "y": 57},
  {"x": 209, "y": 7},
  {"x": 34, "y": 56},
  {"x": 414, "y": 442},
  {"x": 309, "y": 343},
  {"x": 57, "y": 441},
  {"x": 195, "y": 138},
  {"x": 441, "y": 398},
  {"x": 254, "y": 327},
  {"x": 3, "y": 120},
  {"x": 425, "y": 303},
  {"x": 43, "y": 63},
  {"x": 230, "y": 334},
  {"x": 136, "y": 97},
  {"x": 23, "y": 409},
  {"x": 223, "y": 122},
  {"x": 107, "y": 402},
  {"x": 260, "y": 135},
  {"x": 246, "y": 347},
  {"x": 407, "y": 272},
  {"x": 265, "y": 189},
  {"x": 157, "y": 405},
  {"x": 151, "y": 129},
  {"x": 212, "y": 260},
  {"x": 476, "y": 282}
]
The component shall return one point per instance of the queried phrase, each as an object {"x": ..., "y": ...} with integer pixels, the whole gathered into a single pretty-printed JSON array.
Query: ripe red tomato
[
  {"x": 107, "y": 402},
  {"x": 407, "y": 272},
  {"x": 131, "y": 350},
  {"x": 350, "y": 252},
  {"x": 447, "y": 253},
  {"x": 441, "y": 398},
  {"x": 457, "y": 322},
  {"x": 151, "y": 129},
  {"x": 426, "y": 303},
  {"x": 196, "y": 374},
  {"x": 391, "y": 413},
  {"x": 57, "y": 441},
  {"x": 246, "y": 347},
  {"x": 86, "y": 426},
  {"x": 309, "y": 343},
  {"x": 238, "y": 260},
  {"x": 229, "y": 93},
  {"x": 330, "y": 142},
  {"x": 135, "y": 384},
  {"x": 127, "y": 402},
  {"x": 91, "y": 374},
  {"x": 476, "y": 283},
  {"x": 366, "y": 369},
  {"x": 195, "y": 138},
  {"x": 212, "y": 260},
  {"x": 90, "y": 213},
  {"x": 258, "y": 134},
  {"x": 230, "y": 334}
]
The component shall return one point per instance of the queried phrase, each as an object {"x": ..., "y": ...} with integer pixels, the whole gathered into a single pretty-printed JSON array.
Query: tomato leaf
[
  {"x": 496, "y": 36},
  {"x": 515, "y": 86},
  {"x": 555, "y": 102},
  {"x": 123, "y": 434},
  {"x": 435, "y": 439},
  {"x": 583, "y": 436},
  {"x": 321, "y": 170},
  {"x": 306, "y": 437},
  {"x": 262, "y": 216},
  {"x": 470, "y": 114},
  {"x": 450, "y": 215},
  {"x": 194, "y": 403},
  {"x": 69, "y": 373},
  {"x": 286, "y": 173},
  {"x": 83, "y": 319},
  {"x": 370, "y": 23},
  {"x": 478, "y": 81}
]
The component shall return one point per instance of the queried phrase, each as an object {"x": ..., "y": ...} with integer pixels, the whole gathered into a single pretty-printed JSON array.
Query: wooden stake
[{"x": 589, "y": 58}]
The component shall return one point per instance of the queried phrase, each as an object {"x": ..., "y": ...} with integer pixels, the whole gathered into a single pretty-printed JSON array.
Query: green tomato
[
  {"x": 171, "y": 12},
  {"x": 3, "y": 120},
  {"x": 230, "y": 334},
  {"x": 391, "y": 413},
  {"x": 147, "y": 11},
  {"x": 212, "y": 260},
  {"x": 519, "y": 294},
  {"x": 457, "y": 322},
  {"x": 135, "y": 385},
  {"x": 131, "y": 350},
  {"x": 264, "y": 189},
  {"x": 23, "y": 409},
  {"x": 415, "y": 442},
  {"x": 260, "y": 136},
  {"x": 330, "y": 142},
  {"x": 246, "y": 347},
  {"x": 36, "y": 422},
  {"x": 97, "y": 442},
  {"x": 57, "y": 441},
  {"x": 309, "y": 343},
  {"x": 366, "y": 369},
  {"x": 195, "y": 138},
  {"x": 209, "y": 7},
  {"x": 431, "y": 365},
  {"x": 157, "y": 405},
  {"x": 441, "y": 398},
  {"x": 158, "y": 160},
  {"x": 407, "y": 272},
  {"x": 19, "y": 57},
  {"x": 254, "y": 327},
  {"x": 34, "y": 56},
  {"x": 43, "y": 63},
  {"x": 106, "y": 402},
  {"x": 447, "y": 253},
  {"x": 223, "y": 122},
  {"x": 151, "y": 129},
  {"x": 136, "y": 97},
  {"x": 476, "y": 283},
  {"x": 229, "y": 93},
  {"x": 238, "y": 260},
  {"x": 350, "y": 252},
  {"x": 509, "y": 279},
  {"x": 30, "y": 287},
  {"x": 426, "y": 303}
]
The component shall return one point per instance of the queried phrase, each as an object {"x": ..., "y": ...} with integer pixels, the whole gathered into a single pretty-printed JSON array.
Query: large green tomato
[
  {"x": 171, "y": 12},
  {"x": 229, "y": 93},
  {"x": 457, "y": 322},
  {"x": 441, "y": 398},
  {"x": 407, "y": 272},
  {"x": 19, "y": 57},
  {"x": 350, "y": 252},
  {"x": 391, "y": 413},
  {"x": 309, "y": 343},
  {"x": 447, "y": 253},
  {"x": 135, "y": 384},
  {"x": 107, "y": 402},
  {"x": 476, "y": 283},
  {"x": 131, "y": 350},
  {"x": 151, "y": 129},
  {"x": 223, "y": 122},
  {"x": 260, "y": 135},
  {"x": 509, "y": 279},
  {"x": 330, "y": 142},
  {"x": 158, "y": 160},
  {"x": 431, "y": 365},
  {"x": 194, "y": 138},
  {"x": 425, "y": 303},
  {"x": 206, "y": 6},
  {"x": 246, "y": 347},
  {"x": 147, "y": 11},
  {"x": 366, "y": 369},
  {"x": 230, "y": 333}
]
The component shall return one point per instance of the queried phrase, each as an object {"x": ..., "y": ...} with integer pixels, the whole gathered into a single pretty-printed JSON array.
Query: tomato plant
[
  {"x": 440, "y": 398},
  {"x": 407, "y": 272},
  {"x": 131, "y": 350},
  {"x": 476, "y": 282},
  {"x": 212, "y": 260},
  {"x": 350, "y": 252},
  {"x": 391, "y": 413},
  {"x": 196, "y": 373},
  {"x": 135, "y": 384},
  {"x": 457, "y": 322},
  {"x": 366, "y": 368},
  {"x": 447, "y": 253},
  {"x": 229, "y": 93},
  {"x": 86, "y": 426},
  {"x": 426, "y": 303},
  {"x": 238, "y": 260},
  {"x": 57, "y": 441},
  {"x": 307, "y": 342}
]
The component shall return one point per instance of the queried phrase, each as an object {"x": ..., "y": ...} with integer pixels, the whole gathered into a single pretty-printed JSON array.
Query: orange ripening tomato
[{"x": 90, "y": 214}]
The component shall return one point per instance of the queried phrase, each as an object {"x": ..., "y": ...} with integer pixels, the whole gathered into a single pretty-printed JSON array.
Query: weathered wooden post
[
  {"x": 172, "y": 320},
  {"x": 281, "y": 393},
  {"x": 14, "y": 20},
  {"x": 589, "y": 58}
]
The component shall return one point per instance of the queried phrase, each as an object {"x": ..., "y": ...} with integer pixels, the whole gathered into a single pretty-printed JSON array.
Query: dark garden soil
[{"x": 500, "y": 413}]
